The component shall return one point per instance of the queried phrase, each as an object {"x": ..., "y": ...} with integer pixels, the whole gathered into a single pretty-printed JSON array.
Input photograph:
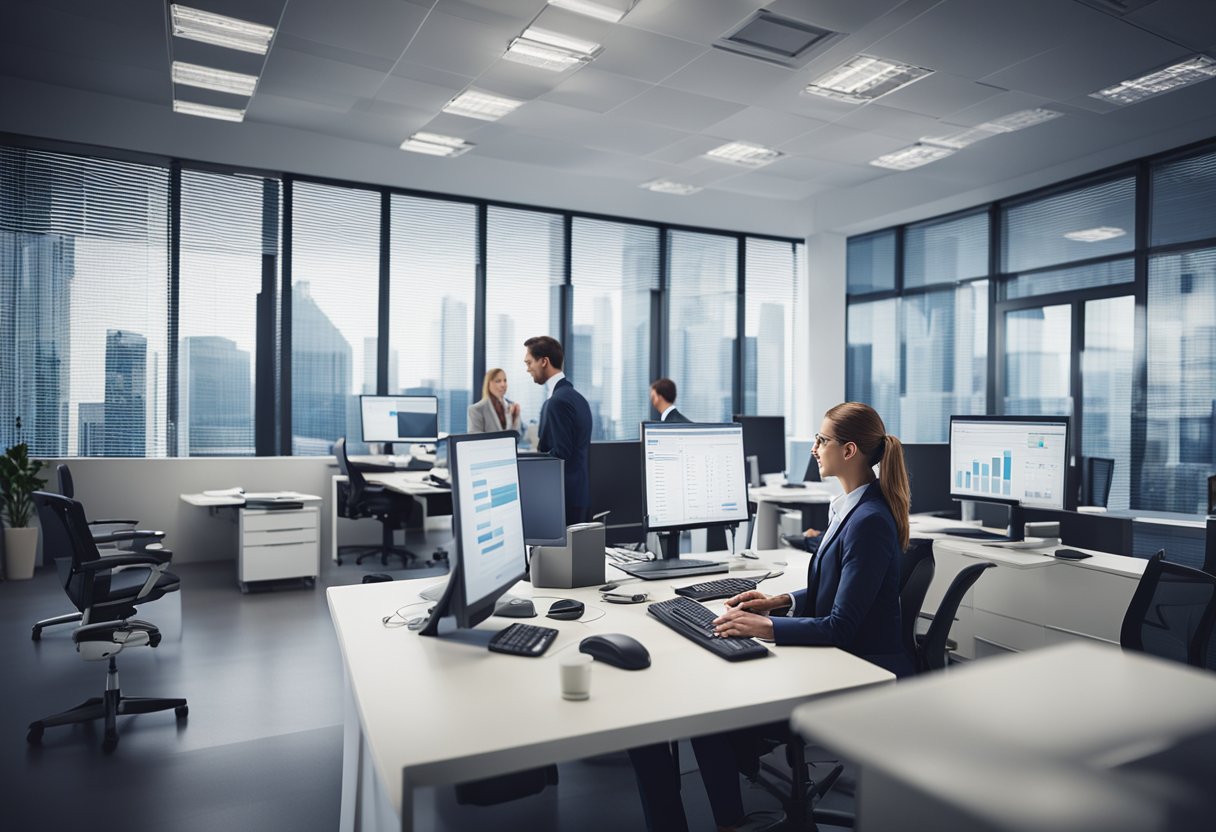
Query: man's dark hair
[
  {"x": 542, "y": 346},
  {"x": 666, "y": 388}
]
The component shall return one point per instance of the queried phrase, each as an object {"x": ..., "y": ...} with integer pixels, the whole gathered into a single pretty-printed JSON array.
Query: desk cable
[{"x": 391, "y": 624}]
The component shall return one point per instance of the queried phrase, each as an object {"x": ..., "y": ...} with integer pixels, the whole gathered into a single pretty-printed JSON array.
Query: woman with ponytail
[{"x": 852, "y": 595}]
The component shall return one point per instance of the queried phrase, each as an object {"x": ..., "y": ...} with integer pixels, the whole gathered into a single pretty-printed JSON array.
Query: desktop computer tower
[{"x": 579, "y": 563}]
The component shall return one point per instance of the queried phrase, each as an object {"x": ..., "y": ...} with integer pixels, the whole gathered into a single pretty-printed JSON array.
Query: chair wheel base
[
  {"x": 181, "y": 711},
  {"x": 36, "y": 635},
  {"x": 34, "y": 737}
]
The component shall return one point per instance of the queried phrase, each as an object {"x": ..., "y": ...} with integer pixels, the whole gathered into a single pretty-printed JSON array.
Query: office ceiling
[{"x": 659, "y": 95}]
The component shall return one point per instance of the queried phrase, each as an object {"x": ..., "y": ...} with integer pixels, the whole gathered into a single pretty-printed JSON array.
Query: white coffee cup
[{"x": 576, "y": 676}]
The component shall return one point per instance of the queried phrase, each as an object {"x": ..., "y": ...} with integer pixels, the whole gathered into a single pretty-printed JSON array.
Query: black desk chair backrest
[
  {"x": 66, "y": 535},
  {"x": 933, "y": 646},
  {"x": 915, "y": 574},
  {"x": 1171, "y": 613},
  {"x": 66, "y": 487},
  {"x": 356, "y": 483},
  {"x": 1099, "y": 473}
]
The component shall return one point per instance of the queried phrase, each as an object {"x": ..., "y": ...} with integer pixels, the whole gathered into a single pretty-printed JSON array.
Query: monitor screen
[
  {"x": 400, "y": 418},
  {"x": 803, "y": 467},
  {"x": 764, "y": 438},
  {"x": 1018, "y": 460},
  {"x": 488, "y": 514},
  {"x": 542, "y": 496},
  {"x": 615, "y": 469},
  {"x": 694, "y": 475}
]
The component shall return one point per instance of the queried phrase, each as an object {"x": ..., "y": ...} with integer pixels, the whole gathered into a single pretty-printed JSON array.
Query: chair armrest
[
  {"x": 150, "y": 557},
  {"x": 128, "y": 534},
  {"x": 113, "y": 522}
]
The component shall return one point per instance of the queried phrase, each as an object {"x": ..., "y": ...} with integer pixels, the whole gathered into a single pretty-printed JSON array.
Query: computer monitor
[
  {"x": 615, "y": 469},
  {"x": 1018, "y": 461},
  {"x": 399, "y": 418},
  {"x": 542, "y": 497},
  {"x": 487, "y": 518},
  {"x": 692, "y": 479},
  {"x": 929, "y": 477},
  {"x": 764, "y": 438},
  {"x": 803, "y": 467}
]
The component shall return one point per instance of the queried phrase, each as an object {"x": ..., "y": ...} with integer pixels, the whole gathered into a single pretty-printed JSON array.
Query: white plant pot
[{"x": 20, "y": 551}]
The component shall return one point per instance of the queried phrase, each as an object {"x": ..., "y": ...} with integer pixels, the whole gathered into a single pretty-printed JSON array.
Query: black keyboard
[
  {"x": 696, "y": 623},
  {"x": 713, "y": 590},
  {"x": 523, "y": 640},
  {"x": 973, "y": 533}
]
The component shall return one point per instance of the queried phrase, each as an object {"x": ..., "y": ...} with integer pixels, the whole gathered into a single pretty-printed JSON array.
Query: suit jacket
[
  {"x": 676, "y": 416},
  {"x": 565, "y": 431},
  {"x": 483, "y": 419},
  {"x": 852, "y": 595}
]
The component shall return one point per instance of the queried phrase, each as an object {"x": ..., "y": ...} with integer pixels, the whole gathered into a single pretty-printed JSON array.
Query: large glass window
[
  {"x": 1180, "y": 434},
  {"x": 433, "y": 268},
  {"x": 1092, "y": 221},
  {"x": 773, "y": 273},
  {"x": 84, "y": 247},
  {"x": 871, "y": 263},
  {"x": 872, "y": 362},
  {"x": 1107, "y": 376},
  {"x": 946, "y": 251},
  {"x": 525, "y": 256},
  {"x": 703, "y": 299},
  {"x": 229, "y": 237},
  {"x": 1038, "y": 356},
  {"x": 615, "y": 270},
  {"x": 1070, "y": 279},
  {"x": 945, "y": 360},
  {"x": 335, "y": 298},
  {"x": 1184, "y": 200}
]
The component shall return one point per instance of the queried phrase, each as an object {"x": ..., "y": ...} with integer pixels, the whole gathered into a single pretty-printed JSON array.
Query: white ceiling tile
[
  {"x": 776, "y": 187},
  {"x": 690, "y": 153},
  {"x": 304, "y": 45},
  {"x": 672, "y": 108},
  {"x": 415, "y": 93},
  {"x": 698, "y": 21},
  {"x": 888, "y": 121},
  {"x": 767, "y": 127},
  {"x": 1189, "y": 22},
  {"x": 519, "y": 81},
  {"x": 454, "y": 44},
  {"x": 836, "y": 143},
  {"x": 554, "y": 121},
  {"x": 376, "y": 27},
  {"x": 599, "y": 92},
  {"x": 728, "y": 76},
  {"x": 86, "y": 74},
  {"x": 835, "y": 15},
  {"x": 939, "y": 94},
  {"x": 301, "y": 75},
  {"x": 644, "y": 55},
  {"x": 1001, "y": 104}
]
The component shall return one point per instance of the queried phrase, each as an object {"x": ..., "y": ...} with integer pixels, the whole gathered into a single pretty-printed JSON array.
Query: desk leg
[
  {"x": 352, "y": 762},
  {"x": 766, "y": 525}
]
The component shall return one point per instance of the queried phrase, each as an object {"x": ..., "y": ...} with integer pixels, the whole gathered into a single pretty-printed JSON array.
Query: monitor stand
[
  {"x": 671, "y": 565},
  {"x": 1016, "y": 530}
]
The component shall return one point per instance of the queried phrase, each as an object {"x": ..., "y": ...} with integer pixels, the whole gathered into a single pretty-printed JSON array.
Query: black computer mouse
[
  {"x": 616, "y": 649},
  {"x": 566, "y": 609}
]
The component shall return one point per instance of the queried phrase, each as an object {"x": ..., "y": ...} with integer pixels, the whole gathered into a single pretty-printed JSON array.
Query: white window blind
[
  {"x": 1092, "y": 221},
  {"x": 1184, "y": 200},
  {"x": 871, "y": 263},
  {"x": 774, "y": 271},
  {"x": 946, "y": 251},
  {"x": 703, "y": 292}
]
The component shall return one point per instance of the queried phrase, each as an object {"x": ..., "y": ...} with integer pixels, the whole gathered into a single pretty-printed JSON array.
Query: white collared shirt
[
  {"x": 663, "y": 415},
  {"x": 551, "y": 382},
  {"x": 840, "y": 508}
]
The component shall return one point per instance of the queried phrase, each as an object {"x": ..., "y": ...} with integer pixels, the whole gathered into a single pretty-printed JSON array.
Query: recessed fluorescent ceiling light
[
  {"x": 912, "y": 157},
  {"x": 1020, "y": 120},
  {"x": 610, "y": 11},
  {"x": 435, "y": 144},
  {"x": 193, "y": 75},
  {"x": 864, "y": 78},
  {"x": 549, "y": 50},
  {"x": 666, "y": 186},
  {"x": 744, "y": 153},
  {"x": 481, "y": 105},
  {"x": 218, "y": 30},
  {"x": 1095, "y": 235},
  {"x": 1191, "y": 71},
  {"x": 191, "y": 108}
]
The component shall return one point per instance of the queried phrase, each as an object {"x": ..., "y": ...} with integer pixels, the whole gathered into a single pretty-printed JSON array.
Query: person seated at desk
[
  {"x": 851, "y": 602},
  {"x": 495, "y": 411}
]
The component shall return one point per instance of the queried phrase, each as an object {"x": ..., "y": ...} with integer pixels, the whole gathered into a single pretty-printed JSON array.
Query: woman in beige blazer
[{"x": 495, "y": 411}]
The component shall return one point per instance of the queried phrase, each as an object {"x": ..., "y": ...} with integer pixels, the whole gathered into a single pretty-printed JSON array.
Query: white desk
[
  {"x": 1051, "y": 741},
  {"x": 487, "y": 714},
  {"x": 769, "y": 499},
  {"x": 410, "y": 483}
]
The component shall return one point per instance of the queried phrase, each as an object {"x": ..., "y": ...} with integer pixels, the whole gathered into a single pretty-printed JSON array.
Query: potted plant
[{"x": 18, "y": 481}]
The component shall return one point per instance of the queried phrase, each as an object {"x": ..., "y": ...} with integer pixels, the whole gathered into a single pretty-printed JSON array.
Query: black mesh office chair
[
  {"x": 1171, "y": 613},
  {"x": 931, "y": 647},
  {"x": 363, "y": 499},
  {"x": 1099, "y": 473},
  {"x": 915, "y": 576},
  {"x": 106, "y": 591},
  {"x": 111, "y": 537}
]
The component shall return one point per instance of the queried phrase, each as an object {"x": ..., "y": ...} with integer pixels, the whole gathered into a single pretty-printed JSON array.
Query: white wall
[{"x": 825, "y": 256}]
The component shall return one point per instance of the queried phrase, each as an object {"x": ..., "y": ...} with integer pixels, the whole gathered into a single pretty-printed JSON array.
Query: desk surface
[
  {"x": 204, "y": 499},
  {"x": 407, "y": 482},
  {"x": 486, "y": 714},
  {"x": 815, "y": 492},
  {"x": 1027, "y": 736}
]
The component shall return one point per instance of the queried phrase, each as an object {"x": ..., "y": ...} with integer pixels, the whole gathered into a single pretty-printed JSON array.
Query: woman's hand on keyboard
[
  {"x": 739, "y": 623},
  {"x": 757, "y": 602}
]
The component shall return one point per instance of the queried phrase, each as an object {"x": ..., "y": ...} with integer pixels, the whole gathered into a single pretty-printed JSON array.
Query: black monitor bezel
[
  {"x": 755, "y": 418},
  {"x": 669, "y": 426},
  {"x": 1070, "y": 499},
  {"x": 560, "y": 503},
  {"x": 412, "y": 440}
]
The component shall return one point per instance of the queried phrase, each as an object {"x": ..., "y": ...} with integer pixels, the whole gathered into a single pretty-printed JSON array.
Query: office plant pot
[{"x": 20, "y": 548}]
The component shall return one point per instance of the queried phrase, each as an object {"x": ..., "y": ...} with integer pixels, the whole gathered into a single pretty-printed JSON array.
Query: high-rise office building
[
  {"x": 455, "y": 363},
  {"x": 215, "y": 405},
  {"x": 370, "y": 347},
  {"x": 91, "y": 429},
  {"x": 126, "y": 413},
  {"x": 321, "y": 364}
]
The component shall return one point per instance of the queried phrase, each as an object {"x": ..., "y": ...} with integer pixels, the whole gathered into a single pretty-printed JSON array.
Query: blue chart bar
[
  {"x": 478, "y": 483},
  {"x": 968, "y": 479},
  {"x": 485, "y": 524},
  {"x": 1008, "y": 465},
  {"x": 493, "y": 463},
  {"x": 492, "y": 547},
  {"x": 504, "y": 494},
  {"x": 984, "y": 477},
  {"x": 498, "y": 532},
  {"x": 480, "y": 507},
  {"x": 480, "y": 495},
  {"x": 484, "y": 538}
]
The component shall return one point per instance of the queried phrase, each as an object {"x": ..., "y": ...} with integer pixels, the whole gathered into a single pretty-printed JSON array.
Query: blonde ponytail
[{"x": 893, "y": 479}]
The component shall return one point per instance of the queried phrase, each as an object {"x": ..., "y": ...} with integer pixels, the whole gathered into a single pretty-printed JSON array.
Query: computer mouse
[
  {"x": 616, "y": 649},
  {"x": 1071, "y": 554},
  {"x": 515, "y": 608},
  {"x": 566, "y": 609}
]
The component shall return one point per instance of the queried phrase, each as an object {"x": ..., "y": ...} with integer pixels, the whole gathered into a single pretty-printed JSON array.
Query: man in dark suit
[
  {"x": 663, "y": 399},
  {"x": 565, "y": 422}
]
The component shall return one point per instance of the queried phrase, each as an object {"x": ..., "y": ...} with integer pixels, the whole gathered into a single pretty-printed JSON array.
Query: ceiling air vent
[
  {"x": 780, "y": 40},
  {"x": 1119, "y": 8}
]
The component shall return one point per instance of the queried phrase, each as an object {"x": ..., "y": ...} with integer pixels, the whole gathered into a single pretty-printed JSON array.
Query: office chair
[
  {"x": 111, "y": 537},
  {"x": 1171, "y": 613},
  {"x": 366, "y": 500},
  {"x": 931, "y": 652},
  {"x": 106, "y": 597},
  {"x": 915, "y": 575},
  {"x": 1099, "y": 473}
]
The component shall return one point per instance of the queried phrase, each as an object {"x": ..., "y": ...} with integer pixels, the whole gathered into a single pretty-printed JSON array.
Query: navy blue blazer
[
  {"x": 565, "y": 431},
  {"x": 852, "y": 595},
  {"x": 676, "y": 417}
]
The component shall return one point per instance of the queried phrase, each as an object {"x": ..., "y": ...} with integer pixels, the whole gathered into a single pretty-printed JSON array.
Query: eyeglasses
[{"x": 820, "y": 439}]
